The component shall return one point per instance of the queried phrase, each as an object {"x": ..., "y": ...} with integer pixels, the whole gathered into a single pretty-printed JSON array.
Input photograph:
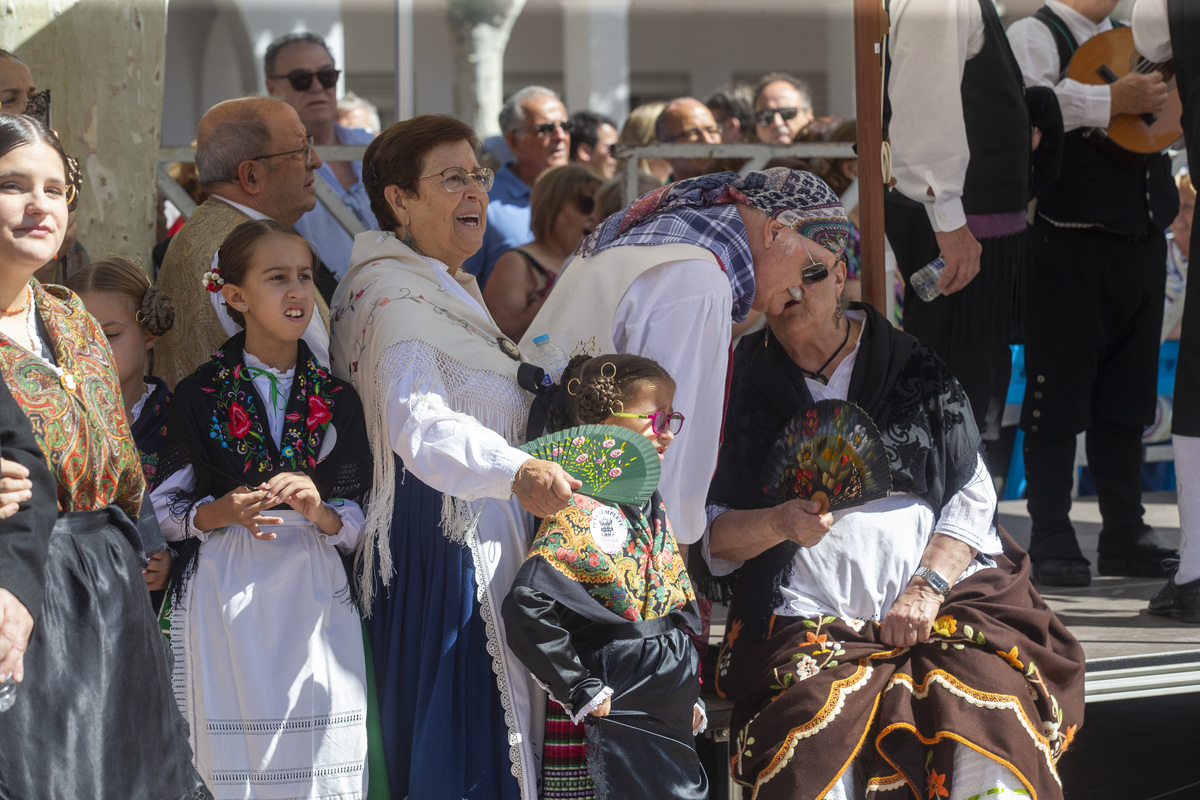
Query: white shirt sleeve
[
  {"x": 353, "y": 519},
  {"x": 968, "y": 515},
  {"x": 1083, "y": 106},
  {"x": 451, "y": 452},
  {"x": 679, "y": 314},
  {"x": 719, "y": 567},
  {"x": 928, "y": 135},
  {"x": 176, "y": 530},
  {"x": 1151, "y": 33}
]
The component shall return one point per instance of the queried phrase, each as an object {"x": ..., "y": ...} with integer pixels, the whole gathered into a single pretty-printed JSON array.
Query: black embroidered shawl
[
  {"x": 219, "y": 427},
  {"x": 150, "y": 428},
  {"x": 920, "y": 409}
]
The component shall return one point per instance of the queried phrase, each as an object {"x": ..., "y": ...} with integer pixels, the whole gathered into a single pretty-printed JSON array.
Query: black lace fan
[{"x": 830, "y": 452}]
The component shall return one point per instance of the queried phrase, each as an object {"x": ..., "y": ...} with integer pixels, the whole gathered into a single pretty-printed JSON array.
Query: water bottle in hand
[
  {"x": 925, "y": 280},
  {"x": 8, "y": 694},
  {"x": 550, "y": 358}
]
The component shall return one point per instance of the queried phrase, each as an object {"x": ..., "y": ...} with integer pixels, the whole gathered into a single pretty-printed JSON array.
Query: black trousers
[
  {"x": 1092, "y": 332},
  {"x": 971, "y": 329}
]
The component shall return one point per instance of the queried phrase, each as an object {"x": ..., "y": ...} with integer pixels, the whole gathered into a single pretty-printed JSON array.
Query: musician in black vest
[
  {"x": 1095, "y": 302},
  {"x": 1162, "y": 29},
  {"x": 961, "y": 137}
]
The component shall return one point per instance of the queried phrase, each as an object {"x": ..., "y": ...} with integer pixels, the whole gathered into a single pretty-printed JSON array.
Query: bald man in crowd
[
  {"x": 686, "y": 119},
  {"x": 256, "y": 161}
]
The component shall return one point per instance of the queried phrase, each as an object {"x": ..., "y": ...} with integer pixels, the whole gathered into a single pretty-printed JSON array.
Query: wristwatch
[{"x": 935, "y": 580}]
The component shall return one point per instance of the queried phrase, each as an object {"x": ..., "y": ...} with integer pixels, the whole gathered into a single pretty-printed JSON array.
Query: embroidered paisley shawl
[{"x": 76, "y": 409}]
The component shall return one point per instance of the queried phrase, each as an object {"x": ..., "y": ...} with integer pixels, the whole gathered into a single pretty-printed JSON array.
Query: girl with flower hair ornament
[
  {"x": 598, "y": 611},
  {"x": 264, "y": 463}
]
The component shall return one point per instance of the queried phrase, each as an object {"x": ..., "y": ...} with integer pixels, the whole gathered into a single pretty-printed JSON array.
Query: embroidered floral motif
[
  {"x": 644, "y": 580},
  {"x": 937, "y": 785},
  {"x": 239, "y": 424},
  {"x": 945, "y": 625}
]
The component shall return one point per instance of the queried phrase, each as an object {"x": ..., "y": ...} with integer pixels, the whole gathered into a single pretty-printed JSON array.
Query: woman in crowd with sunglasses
[
  {"x": 447, "y": 522},
  {"x": 898, "y": 642},
  {"x": 563, "y": 211}
]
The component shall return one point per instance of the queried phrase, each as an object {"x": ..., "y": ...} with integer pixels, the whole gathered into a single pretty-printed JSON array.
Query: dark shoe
[
  {"x": 1140, "y": 556},
  {"x": 1062, "y": 572},
  {"x": 1179, "y": 601}
]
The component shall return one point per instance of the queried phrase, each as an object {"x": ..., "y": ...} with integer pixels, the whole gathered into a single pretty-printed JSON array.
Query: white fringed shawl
[{"x": 390, "y": 295}]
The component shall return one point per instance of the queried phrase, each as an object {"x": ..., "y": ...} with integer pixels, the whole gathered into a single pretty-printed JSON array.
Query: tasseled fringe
[
  {"x": 460, "y": 518},
  {"x": 377, "y": 528}
]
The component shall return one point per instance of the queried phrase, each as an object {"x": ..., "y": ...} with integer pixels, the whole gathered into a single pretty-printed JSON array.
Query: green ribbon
[{"x": 275, "y": 393}]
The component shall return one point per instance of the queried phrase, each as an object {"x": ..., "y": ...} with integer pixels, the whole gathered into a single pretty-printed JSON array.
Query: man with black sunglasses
[
  {"x": 300, "y": 71},
  {"x": 782, "y": 107},
  {"x": 538, "y": 133}
]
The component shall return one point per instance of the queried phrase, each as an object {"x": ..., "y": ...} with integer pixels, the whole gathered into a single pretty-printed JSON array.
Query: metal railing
[
  {"x": 757, "y": 153},
  {"x": 325, "y": 193}
]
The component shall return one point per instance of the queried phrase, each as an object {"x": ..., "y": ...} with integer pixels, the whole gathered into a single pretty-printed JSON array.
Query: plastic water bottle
[
  {"x": 925, "y": 280},
  {"x": 8, "y": 694},
  {"x": 550, "y": 358}
]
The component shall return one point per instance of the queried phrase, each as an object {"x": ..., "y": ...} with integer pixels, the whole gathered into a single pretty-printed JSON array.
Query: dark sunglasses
[
  {"x": 547, "y": 128},
  {"x": 586, "y": 204},
  {"x": 767, "y": 115},
  {"x": 302, "y": 79},
  {"x": 814, "y": 273}
]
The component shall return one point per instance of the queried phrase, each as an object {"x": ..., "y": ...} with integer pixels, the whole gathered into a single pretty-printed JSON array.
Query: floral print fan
[
  {"x": 615, "y": 464},
  {"x": 830, "y": 452}
]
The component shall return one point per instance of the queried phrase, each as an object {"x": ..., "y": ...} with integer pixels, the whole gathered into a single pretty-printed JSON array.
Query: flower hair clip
[{"x": 213, "y": 280}]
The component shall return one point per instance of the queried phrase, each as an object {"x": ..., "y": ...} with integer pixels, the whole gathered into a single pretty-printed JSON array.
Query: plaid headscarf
[{"x": 700, "y": 211}]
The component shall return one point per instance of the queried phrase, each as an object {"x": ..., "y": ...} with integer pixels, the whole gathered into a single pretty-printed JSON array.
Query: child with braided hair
[
  {"x": 599, "y": 619},
  {"x": 133, "y": 313}
]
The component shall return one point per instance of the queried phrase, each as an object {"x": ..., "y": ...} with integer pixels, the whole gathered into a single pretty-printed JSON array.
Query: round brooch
[{"x": 508, "y": 348}]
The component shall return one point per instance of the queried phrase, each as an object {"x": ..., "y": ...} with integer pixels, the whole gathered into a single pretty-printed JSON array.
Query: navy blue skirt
[{"x": 443, "y": 726}]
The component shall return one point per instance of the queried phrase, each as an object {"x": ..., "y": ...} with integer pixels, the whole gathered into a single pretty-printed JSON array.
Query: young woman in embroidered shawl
[
  {"x": 448, "y": 525},
  {"x": 264, "y": 465},
  {"x": 80, "y": 725},
  {"x": 133, "y": 314},
  {"x": 852, "y": 672},
  {"x": 599, "y": 618}
]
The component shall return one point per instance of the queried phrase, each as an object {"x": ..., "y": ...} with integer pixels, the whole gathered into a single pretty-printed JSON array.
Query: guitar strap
[{"x": 1063, "y": 38}]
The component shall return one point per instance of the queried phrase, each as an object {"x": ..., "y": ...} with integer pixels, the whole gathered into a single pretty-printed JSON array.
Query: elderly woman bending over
[
  {"x": 897, "y": 647},
  {"x": 438, "y": 382}
]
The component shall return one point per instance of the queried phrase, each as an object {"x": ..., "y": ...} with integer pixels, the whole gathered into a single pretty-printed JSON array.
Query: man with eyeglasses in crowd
[
  {"x": 538, "y": 133},
  {"x": 593, "y": 137},
  {"x": 687, "y": 120},
  {"x": 782, "y": 107},
  {"x": 300, "y": 71},
  {"x": 256, "y": 161}
]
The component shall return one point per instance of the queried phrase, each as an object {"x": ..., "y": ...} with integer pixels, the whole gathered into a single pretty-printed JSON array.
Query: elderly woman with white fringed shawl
[{"x": 448, "y": 523}]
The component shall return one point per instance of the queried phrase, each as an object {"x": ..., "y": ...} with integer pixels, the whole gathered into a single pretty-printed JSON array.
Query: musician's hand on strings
[
  {"x": 1136, "y": 93},
  {"x": 961, "y": 253}
]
